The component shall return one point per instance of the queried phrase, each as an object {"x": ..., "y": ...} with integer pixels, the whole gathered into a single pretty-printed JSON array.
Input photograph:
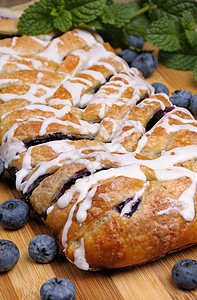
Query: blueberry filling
[
  {"x": 52, "y": 137},
  {"x": 12, "y": 171},
  {"x": 33, "y": 186},
  {"x": 157, "y": 116},
  {"x": 128, "y": 207},
  {"x": 5, "y": 36},
  {"x": 48, "y": 138},
  {"x": 71, "y": 181}
]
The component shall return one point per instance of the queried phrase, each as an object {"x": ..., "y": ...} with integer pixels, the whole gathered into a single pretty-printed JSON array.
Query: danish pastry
[{"x": 109, "y": 166}]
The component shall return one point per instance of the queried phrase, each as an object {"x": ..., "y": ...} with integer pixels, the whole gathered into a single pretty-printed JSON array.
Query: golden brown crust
[
  {"x": 17, "y": 63},
  {"x": 25, "y": 45},
  {"x": 116, "y": 185},
  {"x": 8, "y": 26},
  {"x": 50, "y": 79},
  {"x": 112, "y": 241}
]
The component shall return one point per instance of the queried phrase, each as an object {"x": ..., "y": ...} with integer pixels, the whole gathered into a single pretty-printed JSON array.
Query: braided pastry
[{"x": 109, "y": 166}]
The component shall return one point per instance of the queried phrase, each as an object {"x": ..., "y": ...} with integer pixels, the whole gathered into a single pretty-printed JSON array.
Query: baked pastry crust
[{"x": 109, "y": 166}]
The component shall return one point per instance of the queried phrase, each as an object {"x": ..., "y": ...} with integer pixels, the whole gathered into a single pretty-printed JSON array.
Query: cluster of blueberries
[
  {"x": 14, "y": 214},
  {"x": 147, "y": 64}
]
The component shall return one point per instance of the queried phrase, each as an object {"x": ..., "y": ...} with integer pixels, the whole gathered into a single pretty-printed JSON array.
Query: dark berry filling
[
  {"x": 12, "y": 171},
  {"x": 33, "y": 186},
  {"x": 70, "y": 182},
  {"x": 157, "y": 116},
  {"x": 51, "y": 137},
  {"x": 5, "y": 36},
  {"x": 132, "y": 207}
]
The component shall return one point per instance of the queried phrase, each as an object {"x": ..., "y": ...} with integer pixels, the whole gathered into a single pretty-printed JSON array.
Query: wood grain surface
[{"x": 150, "y": 281}]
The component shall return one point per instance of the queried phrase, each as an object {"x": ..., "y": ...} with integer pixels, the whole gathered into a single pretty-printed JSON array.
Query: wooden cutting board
[{"x": 150, "y": 281}]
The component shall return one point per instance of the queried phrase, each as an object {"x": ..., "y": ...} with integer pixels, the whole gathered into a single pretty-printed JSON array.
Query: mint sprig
[
  {"x": 46, "y": 15},
  {"x": 169, "y": 25}
]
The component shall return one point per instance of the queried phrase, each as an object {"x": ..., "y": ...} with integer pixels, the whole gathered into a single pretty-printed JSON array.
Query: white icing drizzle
[
  {"x": 79, "y": 257},
  {"x": 51, "y": 52},
  {"x": 30, "y": 95},
  {"x": 88, "y": 57},
  {"x": 164, "y": 123},
  {"x": 130, "y": 78},
  {"x": 86, "y": 36},
  {"x": 187, "y": 210},
  {"x": 82, "y": 186},
  {"x": 127, "y": 207}
]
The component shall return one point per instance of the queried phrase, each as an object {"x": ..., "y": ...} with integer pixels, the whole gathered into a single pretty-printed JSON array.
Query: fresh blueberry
[
  {"x": 181, "y": 98},
  {"x": 58, "y": 289},
  {"x": 43, "y": 248},
  {"x": 136, "y": 41},
  {"x": 2, "y": 167},
  {"x": 9, "y": 255},
  {"x": 14, "y": 214},
  {"x": 128, "y": 55},
  {"x": 193, "y": 104},
  {"x": 184, "y": 274},
  {"x": 160, "y": 88},
  {"x": 146, "y": 63}
]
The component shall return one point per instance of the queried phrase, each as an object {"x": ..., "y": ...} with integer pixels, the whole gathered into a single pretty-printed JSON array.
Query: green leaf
[
  {"x": 138, "y": 25},
  {"x": 63, "y": 22},
  {"x": 195, "y": 71},
  {"x": 123, "y": 12},
  {"x": 188, "y": 21},
  {"x": 35, "y": 20},
  {"x": 192, "y": 37},
  {"x": 164, "y": 34},
  {"x": 51, "y": 4},
  {"x": 85, "y": 11},
  {"x": 97, "y": 24},
  {"x": 173, "y": 9},
  {"x": 107, "y": 17},
  {"x": 180, "y": 61}
]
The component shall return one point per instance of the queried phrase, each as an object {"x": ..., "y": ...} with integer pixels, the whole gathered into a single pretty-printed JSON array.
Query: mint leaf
[
  {"x": 180, "y": 61},
  {"x": 195, "y": 71},
  {"x": 173, "y": 9},
  {"x": 63, "y": 22},
  {"x": 138, "y": 25},
  {"x": 50, "y": 4},
  {"x": 192, "y": 37},
  {"x": 97, "y": 24},
  {"x": 164, "y": 34},
  {"x": 85, "y": 11},
  {"x": 188, "y": 21},
  {"x": 107, "y": 17},
  {"x": 35, "y": 20},
  {"x": 123, "y": 12}
]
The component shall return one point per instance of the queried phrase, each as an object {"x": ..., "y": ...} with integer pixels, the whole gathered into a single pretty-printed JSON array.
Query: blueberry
[
  {"x": 128, "y": 55},
  {"x": 193, "y": 104},
  {"x": 160, "y": 88},
  {"x": 9, "y": 255},
  {"x": 136, "y": 41},
  {"x": 58, "y": 289},
  {"x": 43, "y": 248},
  {"x": 146, "y": 63},
  {"x": 181, "y": 98},
  {"x": 2, "y": 167},
  {"x": 14, "y": 214},
  {"x": 184, "y": 274}
]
